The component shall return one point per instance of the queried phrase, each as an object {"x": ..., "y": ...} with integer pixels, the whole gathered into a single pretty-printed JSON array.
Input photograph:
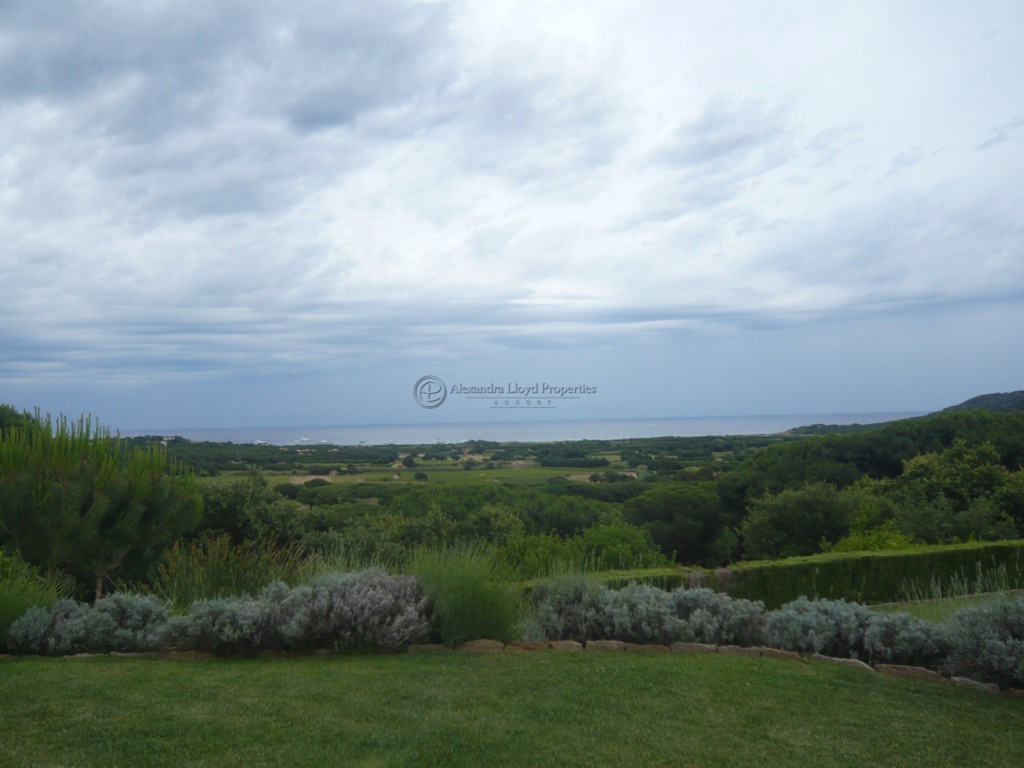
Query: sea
[{"x": 521, "y": 431}]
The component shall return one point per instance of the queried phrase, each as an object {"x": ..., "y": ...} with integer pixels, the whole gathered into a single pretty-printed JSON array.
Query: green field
[{"x": 509, "y": 709}]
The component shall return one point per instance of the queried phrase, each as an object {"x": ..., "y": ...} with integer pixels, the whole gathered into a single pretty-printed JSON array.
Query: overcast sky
[{"x": 263, "y": 213}]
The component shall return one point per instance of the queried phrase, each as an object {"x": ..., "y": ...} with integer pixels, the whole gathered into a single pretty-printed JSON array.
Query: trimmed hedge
[{"x": 864, "y": 577}]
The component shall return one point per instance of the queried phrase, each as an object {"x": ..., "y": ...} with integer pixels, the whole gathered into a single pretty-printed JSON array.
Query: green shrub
[
  {"x": 868, "y": 577},
  {"x": 22, "y": 588},
  {"x": 472, "y": 593}
]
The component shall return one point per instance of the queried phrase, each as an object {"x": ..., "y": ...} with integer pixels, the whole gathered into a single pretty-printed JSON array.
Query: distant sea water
[{"x": 523, "y": 431}]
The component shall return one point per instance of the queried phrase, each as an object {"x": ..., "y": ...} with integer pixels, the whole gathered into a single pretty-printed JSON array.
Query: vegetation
[
  {"x": 72, "y": 497},
  {"x": 510, "y": 709},
  {"x": 22, "y": 588},
  {"x": 473, "y": 595},
  {"x": 857, "y": 508}
]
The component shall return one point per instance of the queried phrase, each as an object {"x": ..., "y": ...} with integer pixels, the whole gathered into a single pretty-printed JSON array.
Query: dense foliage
[{"x": 75, "y": 498}]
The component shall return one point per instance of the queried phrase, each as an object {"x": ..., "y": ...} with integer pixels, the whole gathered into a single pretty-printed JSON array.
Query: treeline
[
  {"x": 104, "y": 509},
  {"x": 663, "y": 454}
]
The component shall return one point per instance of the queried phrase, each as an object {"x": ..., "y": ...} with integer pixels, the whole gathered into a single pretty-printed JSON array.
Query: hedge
[{"x": 864, "y": 577}]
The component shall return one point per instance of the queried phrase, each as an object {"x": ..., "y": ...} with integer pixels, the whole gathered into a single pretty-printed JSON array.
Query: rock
[
  {"x": 645, "y": 648},
  {"x": 481, "y": 646},
  {"x": 428, "y": 648},
  {"x": 739, "y": 650},
  {"x": 565, "y": 645},
  {"x": 966, "y": 682},
  {"x": 679, "y": 647},
  {"x": 605, "y": 645},
  {"x": 526, "y": 645},
  {"x": 778, "y": 653},
  {"x": 855, "y": 663},
  {"x": 914, "y": 673}
]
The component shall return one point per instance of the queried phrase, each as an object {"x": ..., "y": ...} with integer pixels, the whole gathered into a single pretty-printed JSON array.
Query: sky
[{"x": 249, "y": 213}]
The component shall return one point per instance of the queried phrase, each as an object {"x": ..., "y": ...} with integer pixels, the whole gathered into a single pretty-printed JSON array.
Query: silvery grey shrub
[
  {"x": 370, "y": 609},
  {"x": 575, "y": 608},
  {"x": 829, "y": 627},
  {"x": 899, "y": 638},
  {"x": 118, "y": 622},
  {"x": 341, "y": 611},
  {"x": 844, "y": 629},
  {"x": 715, "y": 617},
  {"x": 986, "y": 643},
  {"x": 560, "y": 605},
  {"x": 638, "y": 613}
]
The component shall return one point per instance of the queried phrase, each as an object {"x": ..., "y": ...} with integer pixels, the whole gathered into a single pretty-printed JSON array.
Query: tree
[
  {"x": 796, "y": 521},
  {"x": 75, "y": 498},
  {"x": 11, "y": 417},
  {"x": 683, "y": 519}
]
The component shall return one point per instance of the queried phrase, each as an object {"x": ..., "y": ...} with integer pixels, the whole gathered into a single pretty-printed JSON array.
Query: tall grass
[
  {"x": 473, "y": 593},
  {"x": 937, "y": 599},
  {"x": 340, "y": 555},
  {"x": 213, "y": 567},
  {"x": 22, "y": 588},
  {"x": 997, "y": 578}
]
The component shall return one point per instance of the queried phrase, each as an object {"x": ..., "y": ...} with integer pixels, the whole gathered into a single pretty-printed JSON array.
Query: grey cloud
[
  {"x": 748, "y": 134},
  {"x": 1003, "y": 133},
  {"x": 713, "y": 157}
]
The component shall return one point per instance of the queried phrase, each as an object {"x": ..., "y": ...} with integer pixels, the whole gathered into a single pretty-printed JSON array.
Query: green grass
[
  {"x": 511, "y": 709},
  {"x": 939, "y": 609}
]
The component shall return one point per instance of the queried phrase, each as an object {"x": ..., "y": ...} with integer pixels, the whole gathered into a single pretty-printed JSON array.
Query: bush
[
  {"x": 471, "y": 593},
  {"x": 213, "y": 567},
  {"x": 560, "y": 605},
  {"x": 870, "y": 577},
  {"x": 119, "y": 622},
  {"x": 22, "y": 588},
  {"x": 341, "y": 611},
  {"x": 580, "y": 609},
  {"x": 712, "y": 617},
  {"x": 848, "y": 630},
  {"x": 638, "y": 613},
  {"x": 986, "y": 643}
]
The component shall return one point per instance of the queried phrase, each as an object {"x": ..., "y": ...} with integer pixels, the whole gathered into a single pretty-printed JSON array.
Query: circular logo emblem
[{"x": 430, "y": 391}]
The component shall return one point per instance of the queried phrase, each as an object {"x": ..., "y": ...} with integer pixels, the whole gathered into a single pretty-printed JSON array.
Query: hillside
[{"x": 999, "y": 402}]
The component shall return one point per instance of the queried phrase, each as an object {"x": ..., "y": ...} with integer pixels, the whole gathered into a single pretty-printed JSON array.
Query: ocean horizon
[{"x": 539, "y": 431}]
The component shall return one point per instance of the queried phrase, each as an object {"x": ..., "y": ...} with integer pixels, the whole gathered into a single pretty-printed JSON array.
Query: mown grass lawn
[
  {"x": 939, "y": 609},
  {"x": 509, "y": 709}
]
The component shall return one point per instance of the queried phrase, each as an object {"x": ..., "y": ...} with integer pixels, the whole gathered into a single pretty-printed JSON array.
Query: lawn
[
  {"x": 941, "y": 608},
  {"x": 509, "y": 709}
]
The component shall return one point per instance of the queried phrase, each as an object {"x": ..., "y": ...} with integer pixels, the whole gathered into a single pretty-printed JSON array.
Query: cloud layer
[{"x": 339, "y": 195}]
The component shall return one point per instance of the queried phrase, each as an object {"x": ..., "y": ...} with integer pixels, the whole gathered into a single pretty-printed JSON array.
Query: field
[{"x": 510, "y": 709}]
